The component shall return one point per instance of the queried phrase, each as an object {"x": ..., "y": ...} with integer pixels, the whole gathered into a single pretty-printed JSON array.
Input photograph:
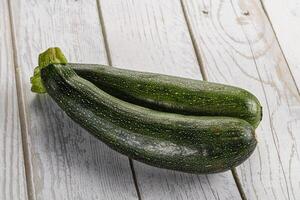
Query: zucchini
[
  {"x": 194, "y": 144},
  {"x": 173, "y": 94}
]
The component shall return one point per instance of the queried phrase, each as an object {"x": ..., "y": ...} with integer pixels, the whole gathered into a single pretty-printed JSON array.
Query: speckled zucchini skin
[
  {"x": 191, "y": 144},
  {"x": 173, "y": 94}
]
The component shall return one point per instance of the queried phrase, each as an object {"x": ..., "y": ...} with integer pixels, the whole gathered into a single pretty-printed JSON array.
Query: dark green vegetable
[
  {"x": 186, "y": 143},
  {"x": 194, "y": 144},
  {"x": 173, "y": 94}
]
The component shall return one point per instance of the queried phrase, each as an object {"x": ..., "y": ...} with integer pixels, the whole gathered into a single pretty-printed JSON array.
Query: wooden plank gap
[
  {"x": 22, "y": 111},
  {"x": 104, "y": 34},
  {"x": 201, "y": 65},
  {"x": 135, "y": 179},
  {"x": 108, "y": 55},
  {"x": 194, "y": 43},
  {"x": 280, "y": 47},
  {"x": 238, "y": 184}
]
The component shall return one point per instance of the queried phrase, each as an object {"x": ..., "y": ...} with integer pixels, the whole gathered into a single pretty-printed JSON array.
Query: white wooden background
[{"x": 252, "y": 44}]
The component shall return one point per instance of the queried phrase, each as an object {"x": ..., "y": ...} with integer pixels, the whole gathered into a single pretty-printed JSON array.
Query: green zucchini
[
  {"x": 194, "y": 144},
  {"x": 191, "y": 144},
  {"x": 173, "y": 94}
]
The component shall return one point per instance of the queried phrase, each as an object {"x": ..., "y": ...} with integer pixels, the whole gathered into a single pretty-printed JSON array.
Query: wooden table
[{"x": 247, "y": 43}]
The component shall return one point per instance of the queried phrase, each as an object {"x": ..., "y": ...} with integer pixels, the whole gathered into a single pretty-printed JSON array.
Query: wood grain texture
[
  {"x": 239, "y": 47},
  {"x": 152, "y": 36},
  {"x": 12, "y": 173},
  {"x": 67, "y": 163},
  {"x": 285, "y": 19}
]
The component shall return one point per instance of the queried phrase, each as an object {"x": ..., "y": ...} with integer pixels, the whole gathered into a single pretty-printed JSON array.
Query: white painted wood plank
[
  {"x": 153, "y": 36},
  {"x": 67, "y": 162},
  {"x": 285, "y": 18},
  {"x": 238, "y": 47},
  {"x": 12, "y": 171}
]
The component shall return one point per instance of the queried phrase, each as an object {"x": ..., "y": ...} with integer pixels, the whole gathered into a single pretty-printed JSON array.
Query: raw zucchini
[
  {"x": 194, "y": 144},
  {"x": 173, "y": 94},
  {"x": 191, "y": 144}
]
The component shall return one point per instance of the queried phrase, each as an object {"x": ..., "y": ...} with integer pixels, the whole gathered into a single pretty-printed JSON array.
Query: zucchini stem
[{"x": 51, "y": 56}]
